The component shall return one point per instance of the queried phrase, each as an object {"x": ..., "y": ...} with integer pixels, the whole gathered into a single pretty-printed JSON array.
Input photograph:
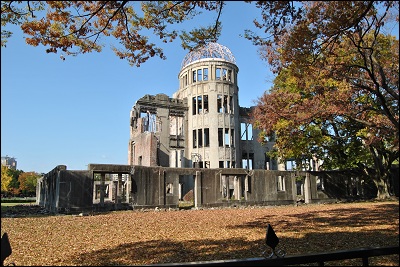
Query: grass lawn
[{"x": 7, "y": 206}]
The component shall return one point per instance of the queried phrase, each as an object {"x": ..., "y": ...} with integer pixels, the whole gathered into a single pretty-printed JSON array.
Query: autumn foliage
[
  {"x": 140, "y": 237},
  {"x": 77, "y": 27},
  {"x": 335, "y": 97}
]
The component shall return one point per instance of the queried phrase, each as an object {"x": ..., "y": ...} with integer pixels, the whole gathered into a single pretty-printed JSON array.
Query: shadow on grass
[
  {"x": 344, "y": 234},
  {"x": 169, "y": 251},
  {"x": 360, "y": 217},
  {"x": 347, "y": 235}
]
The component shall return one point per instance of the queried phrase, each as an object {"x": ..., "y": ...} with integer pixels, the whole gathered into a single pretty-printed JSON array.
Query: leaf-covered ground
[{"x": 162, "y": 236}]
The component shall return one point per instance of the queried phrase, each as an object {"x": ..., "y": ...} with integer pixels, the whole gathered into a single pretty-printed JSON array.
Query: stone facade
[{"x": 202, "y": 125}]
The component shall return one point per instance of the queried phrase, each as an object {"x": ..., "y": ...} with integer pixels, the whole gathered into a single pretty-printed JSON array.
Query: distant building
[{"x": 10, "y": 162}]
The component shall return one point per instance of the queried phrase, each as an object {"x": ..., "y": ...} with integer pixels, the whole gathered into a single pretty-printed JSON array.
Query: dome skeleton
[{"x": 210, "y": 50}]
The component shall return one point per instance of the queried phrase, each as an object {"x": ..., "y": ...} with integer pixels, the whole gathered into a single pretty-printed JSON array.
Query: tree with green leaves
[
  {"x": 5, "y": 179},
  {"x": 27, "y": 182},
  {"x": 11, "y": 184}
]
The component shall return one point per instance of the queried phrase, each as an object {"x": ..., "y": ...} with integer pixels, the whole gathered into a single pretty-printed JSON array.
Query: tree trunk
[{"x": 383, "y": 187}]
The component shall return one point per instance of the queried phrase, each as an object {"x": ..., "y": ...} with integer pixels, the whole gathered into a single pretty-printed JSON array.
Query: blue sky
[{"x": 76, "y": 112}]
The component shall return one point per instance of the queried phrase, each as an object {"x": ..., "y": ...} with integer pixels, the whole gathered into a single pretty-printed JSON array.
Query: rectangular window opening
[
  {"x": 219, "y": 103},
  {"x": 194, "y": 139},
  {"x": 249, "y": 132},
  {"x": 232, "y": 138},
  {"x": 224, "y": 74},
  {"x": 227, "y": 138},
  {"x": 205, "y": 74},
  {"x": 205, "y": 103},
  {"x": 194, "y": 76},
  {"x": 169, "y": 189},
  {"x": 320, "y": 184},
  {"x": 200, "y": 136},
  {"x": 194, "y": 106},
  {"x": 247, "y": 160},
  {"x": 220, "y": 138},
  {"x": 246, "y": 131},
  {"x": 199, "y": 104},
  {"x": 281, "y": 183},
  {"x": 290, "y": 165},
  {"x": 225, "y": 104},
  {"x": 206, "y": 137},
  {"x": 218, "y": 73},
  {"x": 199, "y": 75},
  {"x": 267, "y": 162}
]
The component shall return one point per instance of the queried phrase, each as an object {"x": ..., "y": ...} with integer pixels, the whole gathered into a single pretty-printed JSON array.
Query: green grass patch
[
  {"x": 18, "y": 200},
  {"x": 186, "y": 204},
  {"x": 9, "y": 205}
]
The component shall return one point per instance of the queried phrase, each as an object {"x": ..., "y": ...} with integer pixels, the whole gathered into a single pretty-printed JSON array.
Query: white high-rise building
[{"x": 10, "y": 162}]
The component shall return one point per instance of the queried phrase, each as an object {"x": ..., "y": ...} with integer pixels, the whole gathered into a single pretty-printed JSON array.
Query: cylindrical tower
[{"x": 208, "y": 80}]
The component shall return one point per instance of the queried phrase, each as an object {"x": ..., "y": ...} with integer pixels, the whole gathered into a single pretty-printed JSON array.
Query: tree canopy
[
  {"x": 6, "y": 178},
  {"x": 76, "y": 27},
  {"x": 27, "y": 182},
  {"x": 9, "y": 180},
  {"x": 336, "y": 93}
]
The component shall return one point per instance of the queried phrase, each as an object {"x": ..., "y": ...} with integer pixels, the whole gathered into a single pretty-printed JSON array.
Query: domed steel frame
[{"x": 210, "y": 50}]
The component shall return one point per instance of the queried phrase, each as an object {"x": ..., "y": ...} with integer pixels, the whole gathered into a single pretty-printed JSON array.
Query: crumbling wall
[
  {"x": 63, "y": 190},
  {"x": 163, "y": 187}
]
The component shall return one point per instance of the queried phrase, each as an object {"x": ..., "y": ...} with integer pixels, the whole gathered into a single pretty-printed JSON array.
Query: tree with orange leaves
[
  {"x": 27, "y": 182},
  {"x": 337, "y": 90},
  {"x": 76, "y": 27}
]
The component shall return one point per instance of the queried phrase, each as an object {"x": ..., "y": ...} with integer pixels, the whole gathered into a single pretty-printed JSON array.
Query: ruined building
[
  {"x": 198, "y": 143},
  {"x": 202, "y": 125}
]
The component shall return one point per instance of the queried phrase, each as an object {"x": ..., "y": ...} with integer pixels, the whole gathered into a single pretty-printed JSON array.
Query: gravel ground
[{"x": 141, "y": 237}]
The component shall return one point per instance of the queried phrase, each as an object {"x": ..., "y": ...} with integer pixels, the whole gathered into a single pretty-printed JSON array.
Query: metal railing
[{"x": 319, "y": 258}]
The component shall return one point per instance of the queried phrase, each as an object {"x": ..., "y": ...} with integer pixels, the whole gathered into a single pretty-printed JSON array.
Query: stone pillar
[
  {"x": 128, "y": 189},
  {"x": 246, "y": 186},
  {"x": 102, "y": 189},
  {"x": 197, "y": 189},
  {"x": 294, "y": 186},
  {"x": 224, "y": 186},
  {"x": 307, "y": 189},
  {"x": 238, "y": 191},
  {"x": 118, "y": 191}
]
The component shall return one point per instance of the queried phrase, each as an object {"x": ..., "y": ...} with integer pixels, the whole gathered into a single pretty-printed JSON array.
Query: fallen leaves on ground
[{"x": 141, "y": 237}]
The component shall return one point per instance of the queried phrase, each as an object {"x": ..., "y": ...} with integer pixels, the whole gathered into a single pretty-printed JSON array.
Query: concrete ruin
[
  {"x": 202, "y": 125},
  {"x": 116, "y": 187},
  {"x": 201, "y": 143}
]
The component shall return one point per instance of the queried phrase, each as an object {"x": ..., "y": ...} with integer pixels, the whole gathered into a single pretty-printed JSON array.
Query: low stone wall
[{"x": 162, "y": 187}]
